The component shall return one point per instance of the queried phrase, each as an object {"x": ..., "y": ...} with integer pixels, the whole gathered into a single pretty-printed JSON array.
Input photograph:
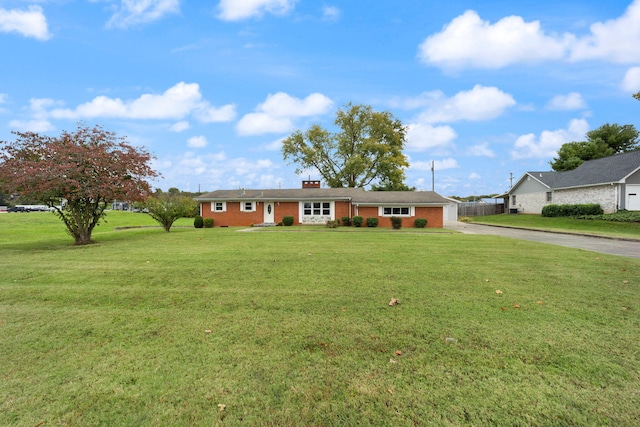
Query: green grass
[
  {"x": 284, "y": 328},
  {"x": 564, "y": 224}
]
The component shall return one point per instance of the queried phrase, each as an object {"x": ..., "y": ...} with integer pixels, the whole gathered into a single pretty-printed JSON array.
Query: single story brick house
[
  {"x": 312, "y": 204},
  {"x": 612, "y": 182}
]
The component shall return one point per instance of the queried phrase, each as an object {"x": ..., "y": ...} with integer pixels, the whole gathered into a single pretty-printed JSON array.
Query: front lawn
[
  {"x": 206, "y": 327},
  {"x": 572, "y": 225}
]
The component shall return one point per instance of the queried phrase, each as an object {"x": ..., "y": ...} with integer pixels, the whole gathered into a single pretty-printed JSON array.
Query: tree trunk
[{"x": 83, "y": 237}]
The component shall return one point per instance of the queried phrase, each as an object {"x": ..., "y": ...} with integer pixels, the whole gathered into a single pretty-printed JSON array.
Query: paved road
[{"x": 625, "y": 248}]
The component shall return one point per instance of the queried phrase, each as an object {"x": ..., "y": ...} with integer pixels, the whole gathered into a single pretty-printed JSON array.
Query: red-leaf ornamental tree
[{"x": 78, "y": 174}]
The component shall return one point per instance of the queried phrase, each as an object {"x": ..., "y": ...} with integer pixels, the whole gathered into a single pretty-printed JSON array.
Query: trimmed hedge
[
  {"x": 287, "y": 221},
  {"x": 372, "y": 222},
  {"x": 420, "y": 222},
  {"x": 572, "y": 210},
  {"x": 346, "y": 221},
  {"x": 198, "y": 222},
  {"x": 208, "y": 223},
  {"x": 357, "y": 221}
]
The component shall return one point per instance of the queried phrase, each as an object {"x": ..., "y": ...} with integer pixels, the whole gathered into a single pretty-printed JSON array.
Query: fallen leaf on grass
[
  {"x": 207, "y": 331},
  {"x": 221, "y": 406},
  {"x": 504, "y": 308},
  {"x": 539, "y": 302},
  {"x": 394, "y": 301},
  {"x": 516, "y": 306},
  {"x": 392, "y": 361},
  {"x": 626, "y": 282},
  {"x": 499, "y": 292},
  {"x": 398, "y": 353},
  {"x": 389, "y": 391},
  {"x": 344, "y": 308},
  {"x": 487, "y": 280}
]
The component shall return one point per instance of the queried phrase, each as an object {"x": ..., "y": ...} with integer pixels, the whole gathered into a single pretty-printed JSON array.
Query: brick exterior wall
[
  {"x": 233, "y": 217},
  {"x": 433, "y": 215}
]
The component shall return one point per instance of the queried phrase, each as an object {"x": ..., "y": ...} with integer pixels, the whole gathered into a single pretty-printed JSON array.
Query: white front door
[{"x": 269, "y": 212}]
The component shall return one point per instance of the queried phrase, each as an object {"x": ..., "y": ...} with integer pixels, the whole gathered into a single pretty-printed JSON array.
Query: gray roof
[
  {"x": 355, "y": 195},
  {"x": 592, "y": 172}
]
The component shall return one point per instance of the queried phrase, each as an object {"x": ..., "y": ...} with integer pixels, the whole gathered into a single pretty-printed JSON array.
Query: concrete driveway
[{"x": 621, "y": 247}]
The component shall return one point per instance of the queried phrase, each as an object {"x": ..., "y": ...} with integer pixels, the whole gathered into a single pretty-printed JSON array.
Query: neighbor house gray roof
[
  {"x": 612, "y": 169},
  {"x": 355, "y": 195}
]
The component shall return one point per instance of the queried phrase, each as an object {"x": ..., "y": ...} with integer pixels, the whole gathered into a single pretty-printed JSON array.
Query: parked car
[{"x": 18, "y": 209}]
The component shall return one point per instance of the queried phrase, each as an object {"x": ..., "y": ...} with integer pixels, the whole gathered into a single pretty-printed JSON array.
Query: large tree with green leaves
[
  {"x": 637, "y": 96},
  {"x": 607, "y": 140},
  {"x": 78, "y": 174},
  {"x": 367, "y": 149}
]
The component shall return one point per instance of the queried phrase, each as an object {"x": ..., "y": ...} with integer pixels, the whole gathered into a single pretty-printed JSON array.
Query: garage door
[{"x": 633, "y": 197}]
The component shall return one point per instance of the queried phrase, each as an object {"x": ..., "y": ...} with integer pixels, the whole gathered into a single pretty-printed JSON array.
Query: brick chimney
[{"x": 310, "y": 184}]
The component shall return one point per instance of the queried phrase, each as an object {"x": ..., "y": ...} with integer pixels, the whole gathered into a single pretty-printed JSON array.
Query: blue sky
[{"x": 486, "y": 89}]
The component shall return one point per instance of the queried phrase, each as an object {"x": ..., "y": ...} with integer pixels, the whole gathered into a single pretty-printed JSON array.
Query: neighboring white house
[{"x": 612, "y": 182}]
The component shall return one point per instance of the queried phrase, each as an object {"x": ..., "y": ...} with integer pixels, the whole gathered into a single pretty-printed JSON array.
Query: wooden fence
[{"x": 479, "y": 209}]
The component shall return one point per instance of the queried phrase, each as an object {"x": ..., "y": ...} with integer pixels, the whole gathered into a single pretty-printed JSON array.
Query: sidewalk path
[{"x": 626, "y": 248}]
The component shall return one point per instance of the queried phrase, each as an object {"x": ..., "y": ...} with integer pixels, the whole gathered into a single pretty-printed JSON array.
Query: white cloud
[
  {"x": 548, "y": 143},
  {"x": 570, "y": 101},
  {"x": 631, "y": 80},
  {"x": 331, "y": 13},
  {"x": 468, "y": 41},
  {"x": 197, "y": 142},
  {"x": 480, "y": 150},
  {"x": 31, "y": 125},
  {"x": 3, "y": 98},
  {"x": 274, "y": 145},
  {"x": 261, "y": 123},
  {"x": 236, "y": 10},
  {"x": 133, "y": 12},
  {"x": 175, "y": 103},
  {"x": 478, "y": 104},
  {"x": 438, "y": 165},
  {"x": 474, "y": 176},
  {"x": 423, "y": 136},
  {"x": 616, "y": 40},
  {"x": 39, "y": 121},
  {"x": 277, "y": 113},
  {"x": 180, "y": 126},
  {"x": 284, "y": 105},
  {"x": 208, "y": 114},
  {"x": 29, "y": 23}
]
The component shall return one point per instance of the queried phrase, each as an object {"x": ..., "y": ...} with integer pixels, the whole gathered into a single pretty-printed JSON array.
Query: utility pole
[
  {"x": 510, "y": 180},
  {"x": 433, "y": 177}
]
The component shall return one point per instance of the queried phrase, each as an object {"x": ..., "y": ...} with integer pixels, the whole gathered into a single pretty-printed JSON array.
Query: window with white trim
[
  {"x": 316, "y": 208},
  {"x": 218, "y": 206},
  {"x": 247, "y": 206},
  {"x": 396, "y": 211}
]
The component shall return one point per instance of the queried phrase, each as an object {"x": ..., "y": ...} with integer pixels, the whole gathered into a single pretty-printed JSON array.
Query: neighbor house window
[
  {"x": 396, "y": 211},
  {"x": 219, "y": 206},
  {"x": 548, "y": 196},
  {"x": 513, "y": 200},
  {"x": 317, "y": 208},
  {"x": 247, "y": 206}
]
